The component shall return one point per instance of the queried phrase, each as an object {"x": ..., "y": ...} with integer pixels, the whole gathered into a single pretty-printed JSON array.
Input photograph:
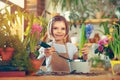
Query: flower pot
[
  {"x": 7, "y": 55},
  {"x": 1, "y": 49},
  {"x": 36, "y": 63},
  {"x": 115, "y": 65},
  {"x": 79, "y": 66},
  {"x": 9, "y": 49},
  {"x": 99, "y": 15}
]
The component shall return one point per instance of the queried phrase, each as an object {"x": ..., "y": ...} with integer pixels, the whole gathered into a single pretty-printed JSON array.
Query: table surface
[
  {"x": 66, "y": 77},
  {"x": 95, "y": 75}
]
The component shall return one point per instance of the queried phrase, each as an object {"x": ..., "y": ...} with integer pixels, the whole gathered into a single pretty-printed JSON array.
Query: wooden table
[
  {"x": 93, "y": 76},
  {"x": 104, "y": 75},
  {"x": 67, "y": 77}
]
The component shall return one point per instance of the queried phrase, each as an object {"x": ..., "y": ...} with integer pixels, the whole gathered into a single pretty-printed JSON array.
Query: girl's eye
[
  {"x": 55, "y": 28},
  {"x": 63, "y": 28}
]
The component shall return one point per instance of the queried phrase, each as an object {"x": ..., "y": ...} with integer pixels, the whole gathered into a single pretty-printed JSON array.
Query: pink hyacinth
[{"x": 36, "y": 29}]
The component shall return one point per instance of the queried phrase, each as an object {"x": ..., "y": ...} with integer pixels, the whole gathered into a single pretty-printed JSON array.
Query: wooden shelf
[
  {"x": 96, "y": 21},
  {"x": 100, "y": 20}
]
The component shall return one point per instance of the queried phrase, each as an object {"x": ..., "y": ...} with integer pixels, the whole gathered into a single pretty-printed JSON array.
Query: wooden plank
[
  {"x": 12, "y": 74},
  {"x": 69, "y": 77}
]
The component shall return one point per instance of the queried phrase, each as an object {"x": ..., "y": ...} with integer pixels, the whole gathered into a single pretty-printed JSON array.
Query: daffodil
[
  {"x": 115, "y": 42},
  {"x": 111, "y": 29}
]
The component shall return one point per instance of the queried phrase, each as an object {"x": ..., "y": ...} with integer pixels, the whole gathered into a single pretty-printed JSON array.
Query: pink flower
[
  {"x": 100, "y": 42},
  {"x": 36, "y": 30},
  {"x": 106, "y": 41},
  {"x": 100, "y": 48}
]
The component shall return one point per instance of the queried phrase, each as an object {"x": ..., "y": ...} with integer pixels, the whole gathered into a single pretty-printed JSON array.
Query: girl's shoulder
[{"x": 69, "y": 44}]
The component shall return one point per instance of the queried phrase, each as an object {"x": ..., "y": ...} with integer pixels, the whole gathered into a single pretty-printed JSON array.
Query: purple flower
[{"x": 88, "y": 30}]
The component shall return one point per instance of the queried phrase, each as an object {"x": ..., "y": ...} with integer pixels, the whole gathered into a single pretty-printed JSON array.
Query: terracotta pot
[
  {"x": 37, "y": 63},
  {"x": 9, "y": 49},
  {"x": 7, "y": 55},
  {"x": 1, "y": 49}
]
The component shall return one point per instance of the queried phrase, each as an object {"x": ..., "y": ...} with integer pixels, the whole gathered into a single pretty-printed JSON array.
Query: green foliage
[
  {"x": 97, "y": 62},
  {"x": 2, "y": 38},
  {"x": 105, "y": 27},
  {"x": 30, "y": 40},
  {"x": 82, "y": 38},
  {"x": 20, "y": 57},
  {"x": 115, "y": 44}
]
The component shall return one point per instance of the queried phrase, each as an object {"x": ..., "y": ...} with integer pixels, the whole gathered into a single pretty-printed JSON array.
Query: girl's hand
[
  {"x": 86, "y": 48},
  {"x": 49, "y": 51}
]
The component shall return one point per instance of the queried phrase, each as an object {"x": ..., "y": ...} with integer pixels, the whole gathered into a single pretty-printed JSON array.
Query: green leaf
[{"x": 82, "y": 38}]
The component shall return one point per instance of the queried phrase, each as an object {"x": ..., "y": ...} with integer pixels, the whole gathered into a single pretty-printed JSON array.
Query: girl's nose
[{"x": 59, "y": 30}]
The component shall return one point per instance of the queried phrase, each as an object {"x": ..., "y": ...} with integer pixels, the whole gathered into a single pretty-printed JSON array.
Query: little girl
[{"x": 58, "y": 31}]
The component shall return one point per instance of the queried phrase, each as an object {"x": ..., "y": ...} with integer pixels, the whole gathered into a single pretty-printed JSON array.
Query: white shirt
[{"x": 72, "y": 49}]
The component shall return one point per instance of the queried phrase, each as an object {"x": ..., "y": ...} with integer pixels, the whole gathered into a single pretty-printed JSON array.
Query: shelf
[{"x": 95, "y": 21}]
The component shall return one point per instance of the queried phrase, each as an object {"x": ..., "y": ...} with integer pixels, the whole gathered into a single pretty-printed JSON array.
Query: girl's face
[{"x": 59, "y": 30}]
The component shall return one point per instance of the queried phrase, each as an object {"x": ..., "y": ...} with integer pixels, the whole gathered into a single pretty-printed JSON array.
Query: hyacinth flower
[
  {"x": 36, "y": 29},
  {"x": 35, "y": 36},
  {"x": 88, "y": 30},
  {"x": 85, "y": 32}
]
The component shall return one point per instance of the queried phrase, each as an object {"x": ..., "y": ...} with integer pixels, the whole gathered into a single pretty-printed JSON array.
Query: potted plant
[
  {"x": 34, "y": 33},
  {"x": 10, "y": 39},
  {"x": 115, "y": 46},
  {"x": 2, "y": 38},
  {"x": 5, "y": 45},
  {"x": 110, "y": 45}
]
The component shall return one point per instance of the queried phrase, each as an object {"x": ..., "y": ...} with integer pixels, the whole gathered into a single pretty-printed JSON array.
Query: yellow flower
[
  {"x": 105, "y": 45},
  {"x": 111, "y": 29},
  {"x": 114, "y": 22},
  {"x": 109, "y": 37}
]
